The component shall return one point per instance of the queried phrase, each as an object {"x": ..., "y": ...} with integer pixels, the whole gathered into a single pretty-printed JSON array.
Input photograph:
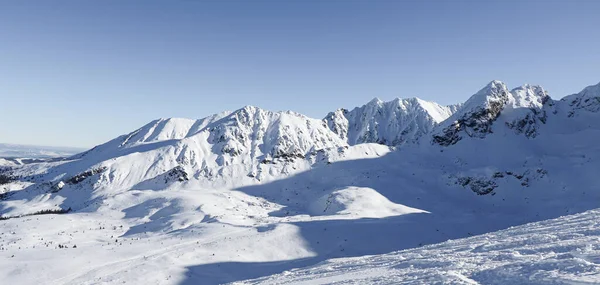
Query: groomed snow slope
[{"x": 565, "y": 250}]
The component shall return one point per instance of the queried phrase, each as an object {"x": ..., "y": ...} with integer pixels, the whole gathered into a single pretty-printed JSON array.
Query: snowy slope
[
  {"x": 586, "y": 100},
  {"x": 391, "y": 123},
  {"x": 251, "y": 193},
  {"x": 565, "y": 250}
]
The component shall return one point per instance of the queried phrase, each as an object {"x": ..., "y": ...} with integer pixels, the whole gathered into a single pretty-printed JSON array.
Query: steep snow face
[
  {"x": 159, "y": 130},
  {"x": 390, "y": 123},
  {"x": 527, "y": 96},
  {"x": 338, "y": 123}
]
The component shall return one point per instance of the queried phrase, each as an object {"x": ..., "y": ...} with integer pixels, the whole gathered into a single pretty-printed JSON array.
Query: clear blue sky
[{"x": 78, "y": 73}]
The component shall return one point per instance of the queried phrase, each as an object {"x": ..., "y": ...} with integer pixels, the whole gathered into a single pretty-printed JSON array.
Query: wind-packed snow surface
[
  {"x": 252, "y": 193},
  {"x": 565, "y": 250}
]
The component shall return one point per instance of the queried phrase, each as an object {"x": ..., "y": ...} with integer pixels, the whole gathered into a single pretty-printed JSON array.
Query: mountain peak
[
  {"x": 476, "y": 116},
  {"x": 495, "y": 82},
  {"x": 375, "y": 101},
  {"x": 492, "y": 92},
  {"x": 390, "y": 123},
  {"x": 588, "y": 99},
  {"x": 248, "y": 108}
]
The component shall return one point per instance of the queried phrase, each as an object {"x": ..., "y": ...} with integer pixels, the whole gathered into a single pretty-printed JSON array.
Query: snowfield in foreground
[{"x": 565, "y": 250}]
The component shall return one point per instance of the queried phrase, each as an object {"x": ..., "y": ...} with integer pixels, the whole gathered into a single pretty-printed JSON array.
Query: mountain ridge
[
  {"x": 250, "y": 140},
  {"x": 249, "y": 193}
]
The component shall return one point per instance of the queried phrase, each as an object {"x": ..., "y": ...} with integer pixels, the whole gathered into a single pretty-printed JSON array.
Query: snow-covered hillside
[
  {"x": 565, "y": 250},
  {"x": 251, "y": 193},
  {"x": 390, "y": 123}
]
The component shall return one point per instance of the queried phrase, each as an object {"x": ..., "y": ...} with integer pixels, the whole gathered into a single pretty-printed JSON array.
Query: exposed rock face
[
  {"x": 479, "y": 185},
  {"x": 82, "y": 176},
  {"x": 523, "y": 109},
  {"x": 486, "y": 184},
  {"x": 475, "y": 118},
  {"x": 5, "y": 175},
  {"x": 529, "y": 125},
  {"x": 178, "y": 174},
  {"x": 58, "y": 186}
]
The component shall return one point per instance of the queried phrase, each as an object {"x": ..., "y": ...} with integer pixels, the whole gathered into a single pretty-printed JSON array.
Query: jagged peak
[
  {"x": 494, "y": 91},
  {"x": 248, "y": 109},
  {"x": 476, "y": 117},
  {"x": 340, "y": 110},
  {"x": 493, "y": 88},
  {"x": 393, "y": 122},
  {"x": 481, "y": 99},
  {"x": 528, "y": 96},
  {"x": 375, "y": 101},
  {"x": 496, "y": 82},
  {"x": 253, "y": 110}
]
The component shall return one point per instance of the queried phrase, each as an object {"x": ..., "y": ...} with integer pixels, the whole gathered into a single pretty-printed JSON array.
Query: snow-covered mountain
[
  {"x": 586, "y": 100},
  {"x": 390, "y": 123},
  {"x": 250, "y": 193},
  {"x": 522, "y": 109},
  {"x": 247, "y": 144}
]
